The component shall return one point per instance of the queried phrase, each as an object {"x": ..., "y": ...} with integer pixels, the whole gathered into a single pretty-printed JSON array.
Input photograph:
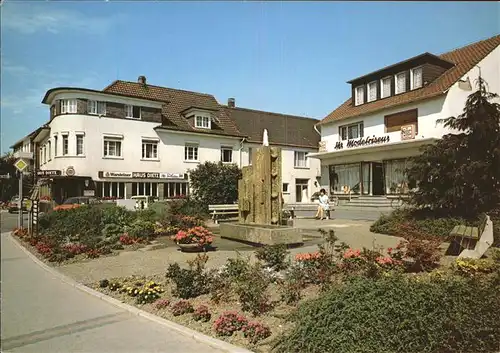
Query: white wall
[
  {"x": 170, "y": 150},
  {"x": 429, "y": 111}
]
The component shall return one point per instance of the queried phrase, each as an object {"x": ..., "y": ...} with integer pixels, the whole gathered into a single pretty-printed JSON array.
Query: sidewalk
[{"x": 43, "y": 314}]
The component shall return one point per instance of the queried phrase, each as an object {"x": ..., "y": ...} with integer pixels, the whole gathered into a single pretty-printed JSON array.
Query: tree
[
  {"x": 215, "y": 183},
  {"x": 10, "y": 187},
  {"x": 461, "y": 172}
]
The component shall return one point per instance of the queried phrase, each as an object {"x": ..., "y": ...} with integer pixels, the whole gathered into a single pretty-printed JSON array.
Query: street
[
  {"x": 41, "y": 313},
  {"x": 8, "y": 221}
]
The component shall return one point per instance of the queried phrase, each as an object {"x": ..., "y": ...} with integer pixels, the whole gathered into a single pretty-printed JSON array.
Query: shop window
[
  {"x": 176, "y": 190},
  {"x": 345, "y": 178},
  {"x": 396, "y": 179},
  {"x": 145, "y": 189},
  {"x": 110, "y": 189}
]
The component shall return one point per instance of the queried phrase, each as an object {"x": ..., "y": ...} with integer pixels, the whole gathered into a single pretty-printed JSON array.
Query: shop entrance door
[{"x": 378, "y": 178}]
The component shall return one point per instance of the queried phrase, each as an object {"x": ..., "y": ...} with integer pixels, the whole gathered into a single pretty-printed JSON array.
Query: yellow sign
[{"x": 21, "y": 164}]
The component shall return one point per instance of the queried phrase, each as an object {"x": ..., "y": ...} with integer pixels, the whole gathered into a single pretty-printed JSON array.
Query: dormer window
[
  {"x": 401, "y": 82},
  {"x": 416, "y": 77},
  {"x": 359, "y": 95},
  {"x": 132, "y": 112},
  {"x": 202, "y": 121},
  {"x": 385, "y": 87},
  {"x": 372, "y": 91}
]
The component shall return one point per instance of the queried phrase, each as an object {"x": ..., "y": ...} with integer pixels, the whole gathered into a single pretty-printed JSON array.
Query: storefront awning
[{"x": 386, "y": 151}]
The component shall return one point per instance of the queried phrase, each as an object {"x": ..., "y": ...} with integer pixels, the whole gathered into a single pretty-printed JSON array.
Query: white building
[
  {"x": 133, "y": 138},
  {"x": 365, "y": 142}
]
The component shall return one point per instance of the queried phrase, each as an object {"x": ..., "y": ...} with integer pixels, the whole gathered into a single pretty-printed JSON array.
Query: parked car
[
  {"x": 13, "y": 205},
  {"x": 74, "y": 202}
]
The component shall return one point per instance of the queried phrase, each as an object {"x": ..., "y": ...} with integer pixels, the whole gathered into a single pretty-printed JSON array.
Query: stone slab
[{"x": 261, "y": 234}]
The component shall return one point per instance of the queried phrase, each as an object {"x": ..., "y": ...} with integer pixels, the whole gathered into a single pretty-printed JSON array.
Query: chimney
[
  {"x": 142, "y": 80},
  {"x": 231, "y": 102}
]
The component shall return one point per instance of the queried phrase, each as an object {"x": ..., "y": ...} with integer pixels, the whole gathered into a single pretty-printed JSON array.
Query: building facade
[
  {"x": 133, "y": 138},
  {"x": 393, "y": 112}
]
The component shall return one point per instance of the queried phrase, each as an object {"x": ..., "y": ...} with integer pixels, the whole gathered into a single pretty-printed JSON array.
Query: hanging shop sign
[
  {"x": 48, "y": 173},
  {"x": 366, "y": 141},
  {"x": 141, "y": 175}
]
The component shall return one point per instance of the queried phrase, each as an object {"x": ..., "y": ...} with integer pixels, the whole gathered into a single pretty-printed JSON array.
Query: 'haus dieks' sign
[{"x": 367, "y": 141}]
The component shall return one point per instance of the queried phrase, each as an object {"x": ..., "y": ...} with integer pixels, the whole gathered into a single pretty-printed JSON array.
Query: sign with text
[
  {"x": 142, "y": 175},
  {"x": 48, "y": 173},
  {"x": 367, "y": 141}
]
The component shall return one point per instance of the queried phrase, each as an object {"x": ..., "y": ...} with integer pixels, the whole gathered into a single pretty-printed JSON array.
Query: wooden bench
[
  {"x": 466, "y": 237},
  {"x": 483, "y": 244},
  {"x": 216, "y": 210}
]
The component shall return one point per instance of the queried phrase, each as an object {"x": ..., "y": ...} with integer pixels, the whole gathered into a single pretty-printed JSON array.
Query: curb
[{"x": 197, "y": 336}]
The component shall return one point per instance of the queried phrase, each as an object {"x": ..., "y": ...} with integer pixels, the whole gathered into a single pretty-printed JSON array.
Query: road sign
[{"x": 21, "y": 164}]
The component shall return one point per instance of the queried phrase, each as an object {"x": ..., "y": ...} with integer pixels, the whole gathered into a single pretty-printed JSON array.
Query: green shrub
[
  {"x": 274, "y": 256},
  {"x": 236, "y": 267},
  {"x": 251, "y": 289},
  {"x": 191, "y": 282},
  {"x": 111, "y": 230},
  {"x": 161, "y": 211},
  {"x": 396, "y": 315},
  {"x": 141, "y": 229},
  {"x": 189, "y": 207},
  {"x": 117, "y": 215},
  {"x": 425, "y": 221}
]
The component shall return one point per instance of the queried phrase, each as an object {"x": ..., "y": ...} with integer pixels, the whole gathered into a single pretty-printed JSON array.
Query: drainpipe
[
  {"x": 316, "y": 129},
  {"x": 241, "y": 148}
]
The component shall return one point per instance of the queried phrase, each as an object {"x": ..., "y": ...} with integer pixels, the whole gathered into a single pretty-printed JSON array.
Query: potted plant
[{"x": 194, "y": 239}]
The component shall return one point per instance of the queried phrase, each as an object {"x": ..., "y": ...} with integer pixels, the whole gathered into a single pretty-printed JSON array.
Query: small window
[
  {"x": 202, "y": 122},
  {"x": 96, "y": 107},
  {"x": 132, "y": 112},
  {"x": 49, "y": 147},
  {"x": 191, "y": 152},
  {"x": 300, "y": 159},
  {"x": 401, "y": 82},
  {"x": 385, "y": 87},
  {"x": 360, "y": 95},
  {"x": 285, "y": 188},
  {"x": 226, "y": 154},
  {"x": 416, "y": 78},
  {"x": 352, "y": 131},
  {"x": 55, "y": 146},
  {"x": 68, "y": 106},
  {"x": 372, "y": 91},
  {"x": 65, "y": 145},
  {"x": 112, "y": 148},
  {"x": 79, "y": 145},
  {"x": 250, "y": 153},
  {"x": 149, "y": 149}
]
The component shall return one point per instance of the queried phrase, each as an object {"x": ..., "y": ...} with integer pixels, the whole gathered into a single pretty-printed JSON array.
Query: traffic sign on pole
[{"x": 21, "y": 164}]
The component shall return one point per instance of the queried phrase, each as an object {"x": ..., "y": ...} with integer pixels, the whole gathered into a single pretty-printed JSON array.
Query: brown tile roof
[
  {"x": 177, "y": 101},
  {"x": 283, "y": 129},
  {"x": 464, "y": 58}
]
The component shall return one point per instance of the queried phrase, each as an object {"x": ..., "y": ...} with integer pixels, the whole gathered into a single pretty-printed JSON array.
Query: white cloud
[{"x": 31, "y": 19}]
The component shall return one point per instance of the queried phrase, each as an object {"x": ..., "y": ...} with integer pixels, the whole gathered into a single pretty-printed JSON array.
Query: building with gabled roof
[{"x": 393, "y": 112}]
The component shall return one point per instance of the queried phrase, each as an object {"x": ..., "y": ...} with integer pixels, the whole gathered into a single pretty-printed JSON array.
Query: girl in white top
[{"x": 323, "y": 204}]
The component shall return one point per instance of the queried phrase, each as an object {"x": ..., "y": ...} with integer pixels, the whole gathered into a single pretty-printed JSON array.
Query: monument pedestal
[{"x": 261, "y": 234}]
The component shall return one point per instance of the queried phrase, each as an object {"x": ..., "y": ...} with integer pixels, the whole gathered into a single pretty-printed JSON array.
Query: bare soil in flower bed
[{"x": 275, "y": 319}]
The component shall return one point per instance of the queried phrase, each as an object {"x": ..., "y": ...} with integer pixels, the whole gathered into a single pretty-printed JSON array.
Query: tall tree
[{"x": 461, "y": 172}]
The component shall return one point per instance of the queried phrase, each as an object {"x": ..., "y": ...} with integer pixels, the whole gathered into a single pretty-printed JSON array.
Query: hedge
[{"x": 399, "y": 315}]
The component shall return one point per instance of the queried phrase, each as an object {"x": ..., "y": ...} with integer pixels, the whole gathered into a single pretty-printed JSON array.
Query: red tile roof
[
  {"x": 177, "y": 101},
  {"x": 464, "y": 58}
]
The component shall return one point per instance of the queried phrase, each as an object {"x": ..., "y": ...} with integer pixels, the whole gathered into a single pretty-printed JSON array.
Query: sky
[{"x": 286, "y": 57}]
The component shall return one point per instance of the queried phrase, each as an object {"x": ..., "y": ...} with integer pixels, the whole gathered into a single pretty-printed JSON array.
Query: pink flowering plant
[
  {"x": 196, "y": 235},
  {"x": 229, "y": 322},
  {"x": 256, "y": 331}
]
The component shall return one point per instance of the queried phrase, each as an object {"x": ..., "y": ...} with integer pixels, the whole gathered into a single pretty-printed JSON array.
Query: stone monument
[{"x": 260, "y": 202}]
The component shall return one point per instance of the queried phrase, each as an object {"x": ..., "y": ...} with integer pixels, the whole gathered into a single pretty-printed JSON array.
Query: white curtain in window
[
  {"x": 345, "y": 176},
  {"x": 400, "y": 83},
  {"x": 417, "y": 77},
  {"x": 372, "y": 91},
  {"x": 386, "y": 87},
  {"x": 360, "y": 95}
]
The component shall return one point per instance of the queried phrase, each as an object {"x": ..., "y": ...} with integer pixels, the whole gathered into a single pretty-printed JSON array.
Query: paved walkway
[
  {"x": 42, "y": 314},
  {"x": 355, "y": 233}
]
